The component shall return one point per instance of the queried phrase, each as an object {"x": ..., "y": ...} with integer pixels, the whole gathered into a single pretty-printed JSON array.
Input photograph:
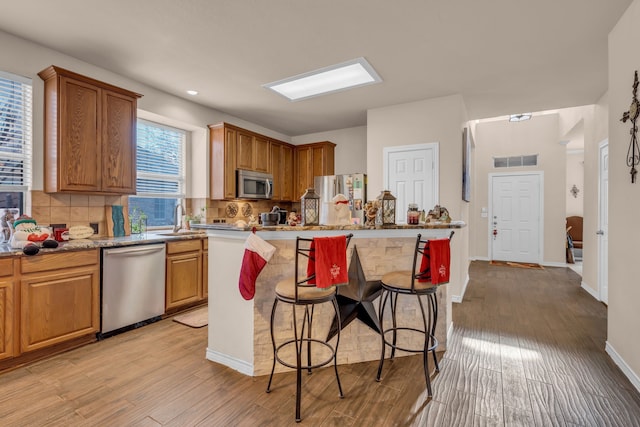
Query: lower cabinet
[
  {"x": 185, "y": 273},
  {"x": 59, "y": 298},
  {"x": 48, "y": 303}
]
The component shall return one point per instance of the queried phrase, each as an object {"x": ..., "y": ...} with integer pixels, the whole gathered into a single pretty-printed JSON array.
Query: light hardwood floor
[{"x": 527, "y": 349}]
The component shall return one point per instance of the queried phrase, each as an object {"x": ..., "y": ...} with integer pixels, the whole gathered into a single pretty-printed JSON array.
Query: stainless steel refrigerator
[{"x": 354, "y": 186}]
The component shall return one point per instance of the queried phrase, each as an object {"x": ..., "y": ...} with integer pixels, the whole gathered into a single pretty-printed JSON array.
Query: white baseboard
[
  {"x": 546, "y": 264},
  {"x": 590, "y": 291},
  {"x": 626, "y": 369},
  {"x": 554, "y": 264},
  {"x": 459, "y": 298},
  {"x": 239, "y": 365}
]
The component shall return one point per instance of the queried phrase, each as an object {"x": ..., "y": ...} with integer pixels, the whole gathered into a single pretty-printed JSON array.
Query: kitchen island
[{"x": 239, "y": 334}]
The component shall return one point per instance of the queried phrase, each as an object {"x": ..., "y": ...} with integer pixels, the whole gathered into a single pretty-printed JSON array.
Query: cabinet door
[
  {"x": 184, "y": 279},
  {"x": 261, "y": 152},
  {"x": 286, "y": 165},
  {"x": 276, "y": 162},
  {"x": 323, "y": 160},
  {"x": 56, "y": 307},
  {"x": 244, "y": 151},
  {"x": 79, "y": 166},
  {"x": 303, "y": 171},
  {"x": 6, "y": 318},
  {"x": 205, "y": 274},
  {"x": 118, "y": 143}
]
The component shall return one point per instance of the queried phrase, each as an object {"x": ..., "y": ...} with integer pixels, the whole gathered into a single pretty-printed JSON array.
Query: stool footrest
[
  {"x": 434, "y": 340},
  {"x": 302, "y": 342}
]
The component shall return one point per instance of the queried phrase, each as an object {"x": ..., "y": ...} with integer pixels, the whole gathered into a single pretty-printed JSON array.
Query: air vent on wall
[{"x": 515, "y": 161}]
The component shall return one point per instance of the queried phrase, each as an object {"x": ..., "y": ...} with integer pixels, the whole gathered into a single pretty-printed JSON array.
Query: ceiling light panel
[{"x": 335, "y": 78}]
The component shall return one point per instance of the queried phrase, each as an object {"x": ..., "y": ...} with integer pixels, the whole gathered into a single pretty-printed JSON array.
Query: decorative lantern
[
  {"x": 310, "y": 207},
  {"x": 386, "y": 208}
]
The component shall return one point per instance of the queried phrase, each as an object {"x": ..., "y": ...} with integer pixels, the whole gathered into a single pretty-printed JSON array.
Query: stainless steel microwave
[{"x": 253, "y": 185}]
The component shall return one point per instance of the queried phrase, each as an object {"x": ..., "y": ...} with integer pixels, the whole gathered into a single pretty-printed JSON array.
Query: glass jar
[{"x": 413, "y": 215}]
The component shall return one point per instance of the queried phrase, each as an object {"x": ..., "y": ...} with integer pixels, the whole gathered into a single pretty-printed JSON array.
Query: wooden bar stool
[
  {"x": 412, "y": 282},
  {"x": 298, "y": 291}
]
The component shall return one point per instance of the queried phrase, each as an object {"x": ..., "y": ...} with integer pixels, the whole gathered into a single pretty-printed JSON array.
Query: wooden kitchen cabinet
[
  {"x": 282, "y": 169},
  {"x": 184, "y": 274},
  {"x": 252, "y": 152},
  {"x": 59, "y": 298},
  {"x": 90, "y": 135},
  {"x": 236, "y": 148},
  {"x": 7, "y": 324},
  {"x": 222, "y": 175},
  {"x": 312, "y": 160},
  {"x": 205, "y": 268}
]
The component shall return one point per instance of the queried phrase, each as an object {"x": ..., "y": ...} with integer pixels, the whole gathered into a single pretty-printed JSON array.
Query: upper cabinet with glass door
[{"x": 90, "y": 135}]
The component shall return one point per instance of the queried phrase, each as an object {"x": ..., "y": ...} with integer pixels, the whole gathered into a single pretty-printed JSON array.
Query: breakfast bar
[{"x": 239, "y": 334}]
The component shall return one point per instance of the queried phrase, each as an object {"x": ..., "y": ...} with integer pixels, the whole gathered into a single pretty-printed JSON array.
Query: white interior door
[
  {"x": 516, "y": 218},
  {"x": 411, "y": 174},
  {"x": 603, "y": 223}
]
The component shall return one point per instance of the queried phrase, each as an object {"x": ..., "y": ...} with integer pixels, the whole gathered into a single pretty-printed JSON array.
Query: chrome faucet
[{"x": 177, "y": 217}]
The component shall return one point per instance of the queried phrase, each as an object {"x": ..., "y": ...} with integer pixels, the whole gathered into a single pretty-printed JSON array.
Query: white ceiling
[{"x": 503, "y": 56}]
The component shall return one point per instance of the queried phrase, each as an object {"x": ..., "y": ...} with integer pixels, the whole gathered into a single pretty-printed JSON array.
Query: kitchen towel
[
  {"x": 328, "y": 261},
  {"x": 257, "y": 254},
  {"x": 436, "y": 259}
]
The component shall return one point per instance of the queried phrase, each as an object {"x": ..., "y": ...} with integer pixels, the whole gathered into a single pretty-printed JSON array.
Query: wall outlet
[{"x": 94, "y": 225}]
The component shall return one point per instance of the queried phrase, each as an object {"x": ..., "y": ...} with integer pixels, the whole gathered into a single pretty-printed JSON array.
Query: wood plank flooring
[{"x": 527, "y": 350}]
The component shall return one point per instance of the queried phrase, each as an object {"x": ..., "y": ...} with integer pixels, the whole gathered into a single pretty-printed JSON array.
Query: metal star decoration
[{"x": 355, "y": 300}]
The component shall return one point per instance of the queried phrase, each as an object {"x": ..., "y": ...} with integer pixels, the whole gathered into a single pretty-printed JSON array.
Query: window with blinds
[
  {"x": 160, "y": 172},
  {"x": 15, "y": 142}
]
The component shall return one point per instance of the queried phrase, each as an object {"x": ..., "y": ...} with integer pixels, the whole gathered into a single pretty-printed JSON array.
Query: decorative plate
[
  {"x": 231, "y": 210},
  {"x": 247, "y": 210}
]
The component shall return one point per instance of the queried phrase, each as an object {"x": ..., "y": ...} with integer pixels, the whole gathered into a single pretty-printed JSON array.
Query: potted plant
[
  {"x": 138, "y": 221},
  {"x": 197, "y": 218}
]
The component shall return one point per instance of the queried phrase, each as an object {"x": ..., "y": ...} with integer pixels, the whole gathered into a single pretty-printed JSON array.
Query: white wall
[
  {"x": 623, "y": 334},
  {"x": 25, "y": 58},
  {"x": 503, "y": 138},
  {"x": 434, "y": 120},
  {"x": 351, "y": 149},
  {"x": 575, "y": 176}
]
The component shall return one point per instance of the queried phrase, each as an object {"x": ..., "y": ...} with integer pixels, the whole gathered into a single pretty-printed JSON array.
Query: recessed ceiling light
[
  {"x": 192, "y": 92},
  {"x": 519, "y": 117},
  {"x": 347, "y": 75}
]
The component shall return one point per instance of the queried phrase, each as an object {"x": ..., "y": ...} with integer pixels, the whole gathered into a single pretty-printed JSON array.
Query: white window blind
[
  {"x": 15, "y": 132},
  {"x": 160, "y": 160}
]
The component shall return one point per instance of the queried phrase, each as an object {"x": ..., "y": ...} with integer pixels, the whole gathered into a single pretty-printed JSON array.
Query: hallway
[{"x": 528, "y": 349}]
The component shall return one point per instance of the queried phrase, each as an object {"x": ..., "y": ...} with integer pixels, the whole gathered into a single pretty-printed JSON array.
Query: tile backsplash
[{"x": 80, "y": 209}]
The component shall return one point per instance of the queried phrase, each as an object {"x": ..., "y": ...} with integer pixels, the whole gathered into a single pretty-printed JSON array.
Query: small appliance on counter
[{"x": 352, "y": 186}]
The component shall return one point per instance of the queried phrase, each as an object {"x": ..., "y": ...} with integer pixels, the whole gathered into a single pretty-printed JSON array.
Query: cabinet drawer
[
  {"x": 59, "y": 260},
  {"x": 183, "y": 246},
  {"x": 6, "y": 266}
]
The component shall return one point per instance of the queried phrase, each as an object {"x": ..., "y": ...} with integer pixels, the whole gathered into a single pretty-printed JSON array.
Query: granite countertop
[
  {"x": 109, "y": 242},
  {"x": 282, "y": 227}
]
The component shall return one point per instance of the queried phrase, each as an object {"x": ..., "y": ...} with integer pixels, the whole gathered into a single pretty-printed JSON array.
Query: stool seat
[
  {"x": 286, "y": 289},
  {"x": 401, "y": 281}
]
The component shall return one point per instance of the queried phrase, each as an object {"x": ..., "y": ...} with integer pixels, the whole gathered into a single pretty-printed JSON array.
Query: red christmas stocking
[{"x": 257, "y": 254}]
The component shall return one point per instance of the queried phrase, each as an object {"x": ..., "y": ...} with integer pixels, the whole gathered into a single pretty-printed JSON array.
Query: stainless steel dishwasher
[{"x": 133, "y": 287}]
